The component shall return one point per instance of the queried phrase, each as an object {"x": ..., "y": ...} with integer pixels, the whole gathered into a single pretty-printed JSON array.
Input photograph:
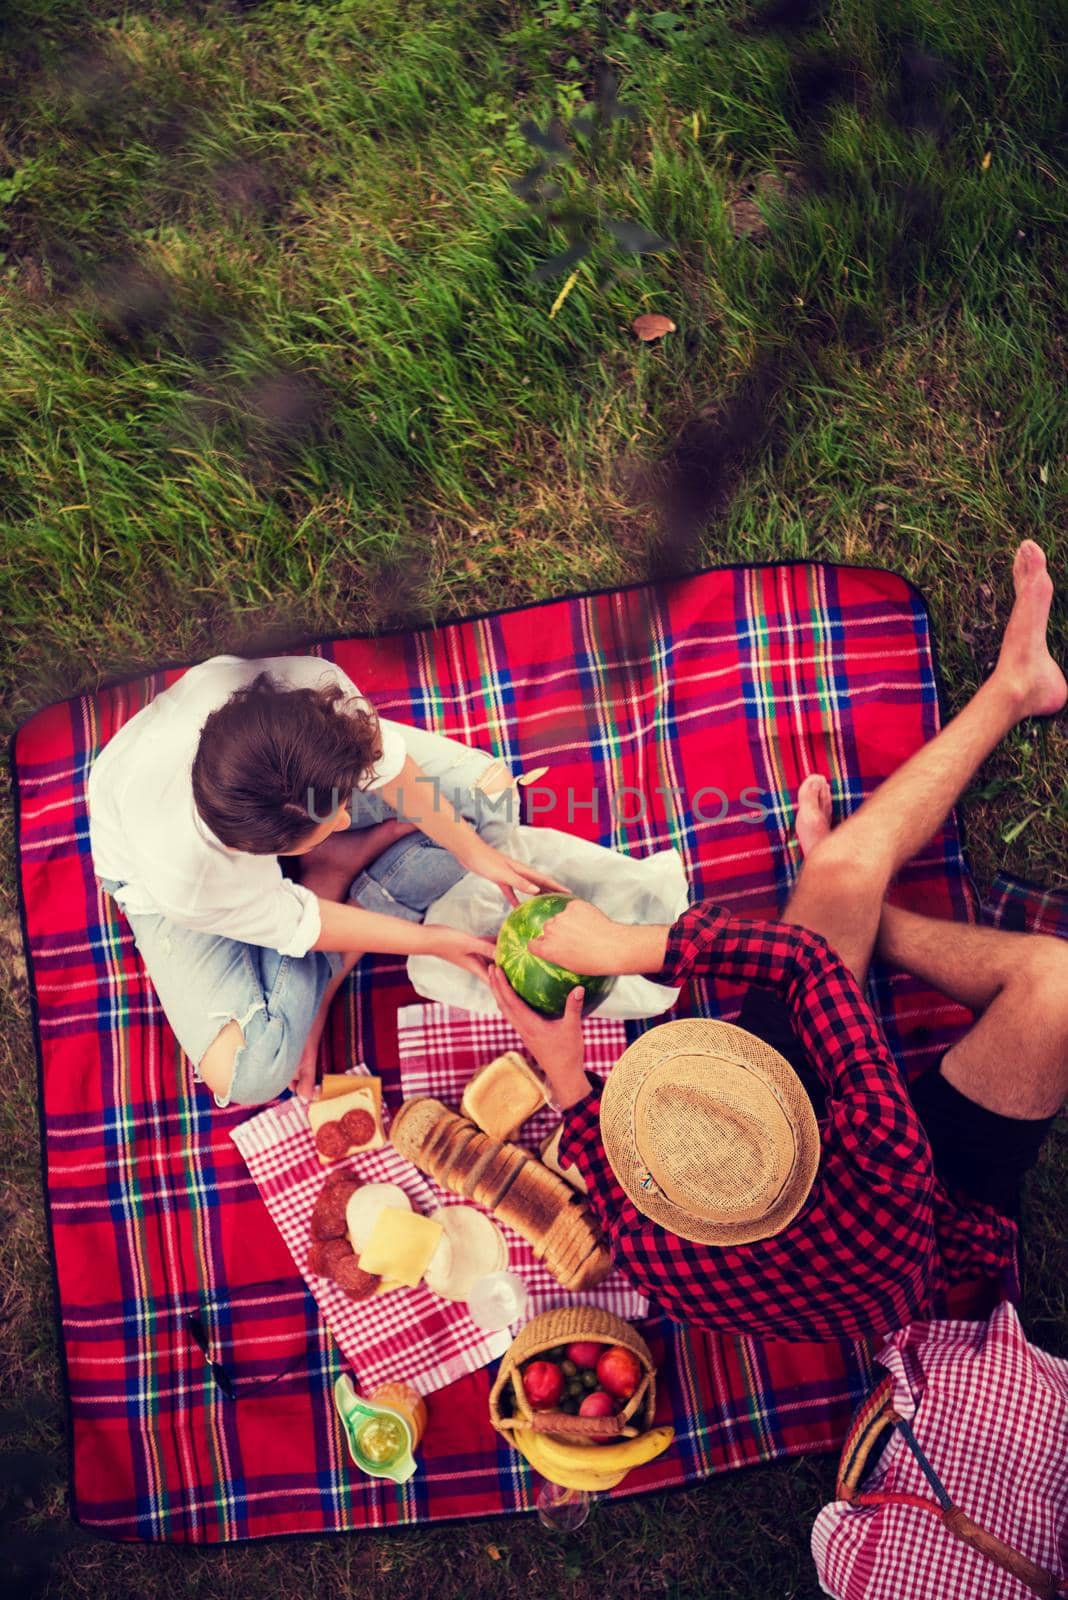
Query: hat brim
[{"x": 700, "y": 1036}]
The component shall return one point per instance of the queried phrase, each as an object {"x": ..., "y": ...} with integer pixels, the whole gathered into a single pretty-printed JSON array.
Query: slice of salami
[
  {"x": 357, "y": 1283},
  {"x": 358, "y": 1127},
  {"x": 330, "y": 1141},
  {"x": 317, "y": 1259},
  {"x": 328, "y": 1215},
  {"x": 336, "y": 1252}
]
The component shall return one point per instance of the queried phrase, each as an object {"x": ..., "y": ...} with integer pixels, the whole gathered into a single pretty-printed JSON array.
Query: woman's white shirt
[{"x": 145, "y": 831}]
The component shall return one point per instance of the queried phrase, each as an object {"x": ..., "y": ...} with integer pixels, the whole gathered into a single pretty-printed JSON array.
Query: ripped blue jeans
[{"x": 205, "y": 980}]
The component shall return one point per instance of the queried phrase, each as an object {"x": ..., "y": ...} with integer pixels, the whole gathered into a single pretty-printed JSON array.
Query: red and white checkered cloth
[
  {"x": 409, "y": 1335},
  {"x": 412, "y": 1335},
  {"x": 990, "y": 1413},
  {"x": 442, "y": 1047}
]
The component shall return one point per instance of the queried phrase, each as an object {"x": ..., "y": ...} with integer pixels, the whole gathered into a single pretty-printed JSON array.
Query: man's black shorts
[{"x": 978, "y": 1152}]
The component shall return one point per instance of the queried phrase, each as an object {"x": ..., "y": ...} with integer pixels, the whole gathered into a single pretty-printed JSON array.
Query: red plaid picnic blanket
[
  {"x": 412, "y": 1335},
  {"x": 738, "y": 680}
]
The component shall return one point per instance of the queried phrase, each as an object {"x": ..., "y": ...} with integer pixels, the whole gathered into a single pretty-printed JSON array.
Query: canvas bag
[{"x": 969, "y": 1497}]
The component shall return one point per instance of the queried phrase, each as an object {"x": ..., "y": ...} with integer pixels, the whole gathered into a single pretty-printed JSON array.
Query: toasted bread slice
[
  {"x": 532, "y": 1205},
  {"x": 442, "y": 1140},
  {"x": 490, "y": 1153},
  {"x": 334, "y": 1083},
  {"x": 501, "y": 1172},
  {"x": 445, "y": 1146},
  {"x": 592, "y": 1271},
  {"x": 545, "y": 1187},
  {"x": 550, "y": 1155},
  {"x": 349, "y": 1123},
  {"x": 413, "y": 1124},
  {"x": 441, "y": 1165},
  {"x": 575, "y": 1253},
  {"x": 567, "y": 1240},
  {"x": 503, "y": 1095},
  {"x": 467, "y": 1156}
]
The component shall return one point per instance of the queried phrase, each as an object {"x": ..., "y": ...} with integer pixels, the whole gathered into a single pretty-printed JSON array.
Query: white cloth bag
[{"x": 626, "y": 889}]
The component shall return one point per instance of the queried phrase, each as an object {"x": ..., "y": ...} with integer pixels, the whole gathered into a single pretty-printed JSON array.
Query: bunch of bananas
[{"x": 589, "y": 1466}]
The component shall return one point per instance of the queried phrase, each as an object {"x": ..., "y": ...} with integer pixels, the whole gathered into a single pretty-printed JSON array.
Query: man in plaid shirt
[{"x": 917, "y": 1187}]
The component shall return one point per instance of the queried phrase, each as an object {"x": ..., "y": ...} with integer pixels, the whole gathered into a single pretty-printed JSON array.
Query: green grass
[{"x": 274, "y": 362}]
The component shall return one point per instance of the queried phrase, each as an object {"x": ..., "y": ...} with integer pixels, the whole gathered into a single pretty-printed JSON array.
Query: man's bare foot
[
  {"x": 330, "y": 868},
  {"x": 1025, "y": 664},
  {"x": 813, "y": 820}
]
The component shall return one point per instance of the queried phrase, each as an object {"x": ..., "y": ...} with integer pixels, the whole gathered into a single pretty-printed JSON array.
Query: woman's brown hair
[{"x": 273, "y": 763}]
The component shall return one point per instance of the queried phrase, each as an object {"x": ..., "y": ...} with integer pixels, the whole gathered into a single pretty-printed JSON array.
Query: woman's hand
[
  {"x": 462, "y": 949},
  {"x": 556, "y": 1045},
  {"x": 583, "y": 939},
  {"x": 506, "y": 872}
]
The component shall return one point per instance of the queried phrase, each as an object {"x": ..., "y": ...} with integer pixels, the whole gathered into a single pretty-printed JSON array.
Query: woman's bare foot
[
  {"x": 331, "y": 867},
  {"x": 1025, "y": 664},
  {"x": 813, "y": 820}
]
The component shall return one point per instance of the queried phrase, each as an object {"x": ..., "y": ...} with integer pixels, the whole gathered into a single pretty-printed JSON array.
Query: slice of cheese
[
  {"x": 400, "y": 1246},
  {"x": 337, "y": 1083},
  {"x": 333, "y": 1107},
  {"x": 365, "y": 1207}
]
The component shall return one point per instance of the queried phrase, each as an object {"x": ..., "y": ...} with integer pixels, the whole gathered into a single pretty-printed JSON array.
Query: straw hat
[{"x": 710, "y": 1132}]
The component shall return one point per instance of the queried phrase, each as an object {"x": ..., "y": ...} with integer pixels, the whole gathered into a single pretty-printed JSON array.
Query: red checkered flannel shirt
[{"x": 878, "y": 1241}]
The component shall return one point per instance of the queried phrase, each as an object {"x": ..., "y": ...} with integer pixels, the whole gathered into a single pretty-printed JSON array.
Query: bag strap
[{"x": 960, "y": 1524}]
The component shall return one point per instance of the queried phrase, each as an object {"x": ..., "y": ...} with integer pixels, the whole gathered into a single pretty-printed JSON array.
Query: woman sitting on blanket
[{"x": 240, "y": 763}]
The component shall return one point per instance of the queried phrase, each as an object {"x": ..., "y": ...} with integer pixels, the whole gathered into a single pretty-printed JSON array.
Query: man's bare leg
[
  {"x": 1015, "y": 1059},
  {"x": 846, "y": 875}
]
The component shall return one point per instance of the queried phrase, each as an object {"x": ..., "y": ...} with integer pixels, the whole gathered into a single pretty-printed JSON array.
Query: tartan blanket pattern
[
  {"x": 411, "y": 1335},
  {"x": 741, "y": 680}
]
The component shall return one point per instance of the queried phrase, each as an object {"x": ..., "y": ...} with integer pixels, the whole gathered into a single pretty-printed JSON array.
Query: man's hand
[
  {"x": 463, "y": 949},
  {"x": 506, "y": 872},
  {"x": 583, "y": 939},
  {"x": 556, "y": 1045}
]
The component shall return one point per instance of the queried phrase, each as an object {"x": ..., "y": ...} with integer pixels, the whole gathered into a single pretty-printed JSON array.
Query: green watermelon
[{"x": 542, "y": 984}]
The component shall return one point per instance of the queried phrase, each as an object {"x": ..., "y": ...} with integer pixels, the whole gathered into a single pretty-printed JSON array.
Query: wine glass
[{"x": 562, "y": 1510}]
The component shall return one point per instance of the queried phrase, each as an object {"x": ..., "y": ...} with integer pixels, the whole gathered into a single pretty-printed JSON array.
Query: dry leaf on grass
[{"x": 651, "y": 325}]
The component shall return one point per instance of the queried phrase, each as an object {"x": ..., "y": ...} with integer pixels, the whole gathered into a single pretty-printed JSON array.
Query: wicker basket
[{"x": 564, "y": 1326}]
